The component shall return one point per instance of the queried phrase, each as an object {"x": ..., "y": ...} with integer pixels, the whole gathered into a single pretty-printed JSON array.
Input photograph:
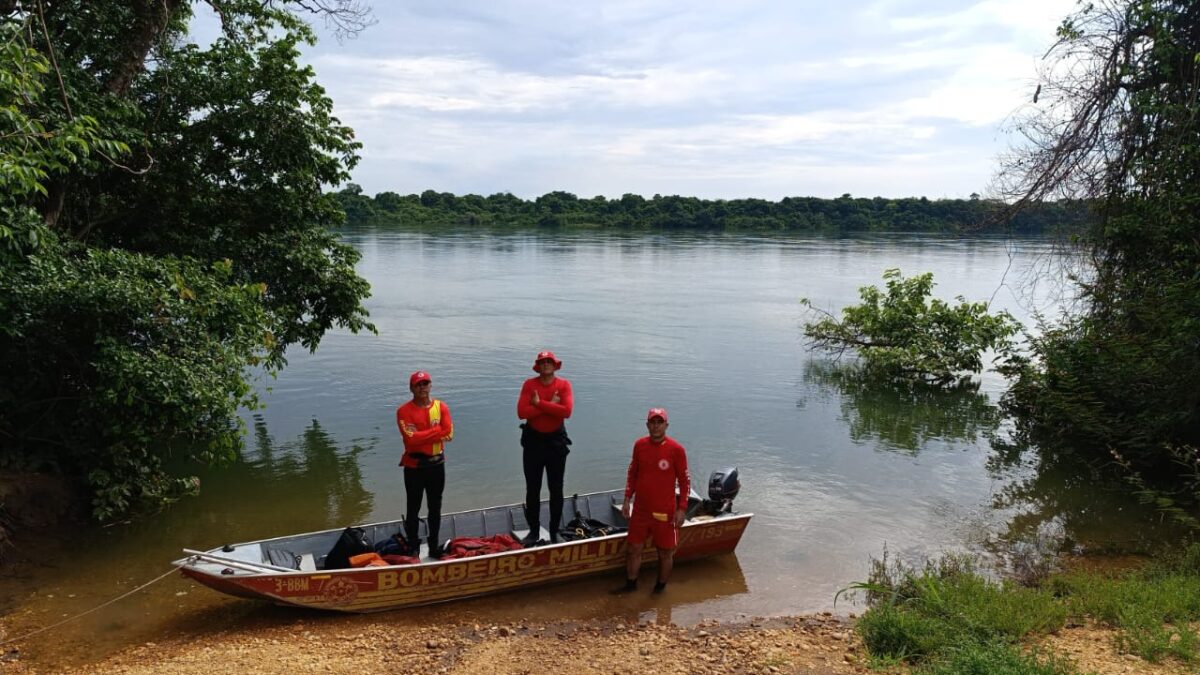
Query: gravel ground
[
  {"x": 819, "y": 644},
  {"x": 812, "y": 644}
]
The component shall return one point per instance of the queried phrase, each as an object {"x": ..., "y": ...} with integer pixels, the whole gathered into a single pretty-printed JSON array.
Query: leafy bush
[
  {"x": 163, "y": 228},
  {"x": 903, "y": 332},
  {"x": 110, "y": 355}
]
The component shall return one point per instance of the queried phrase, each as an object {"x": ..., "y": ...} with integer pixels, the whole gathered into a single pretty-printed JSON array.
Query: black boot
[
  {"x": 531, "y": 539},
  {"x": 659, "y": 587},
  {"x": 412, "y": 544},
  {"x": 435, "y": 548}
]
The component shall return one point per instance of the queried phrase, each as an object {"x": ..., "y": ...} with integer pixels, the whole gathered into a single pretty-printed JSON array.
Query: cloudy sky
[{"x": 716, "y": 99}]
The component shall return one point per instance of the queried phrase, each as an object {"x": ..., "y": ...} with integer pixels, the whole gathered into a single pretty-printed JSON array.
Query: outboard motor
[{"x": 723, "y": 486}]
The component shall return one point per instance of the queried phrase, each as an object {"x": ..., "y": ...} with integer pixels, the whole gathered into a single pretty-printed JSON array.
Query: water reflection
[
  {"x": 1059, "y": 503},
  {"x": 275, "y": 488},
  {"x": 904, "y": 416},
  {"x": 699, "y": 589},
  {"x": 313, "y": 471}
]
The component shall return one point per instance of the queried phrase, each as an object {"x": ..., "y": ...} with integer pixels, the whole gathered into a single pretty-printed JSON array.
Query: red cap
[
  {"x": 419, "y": 376},
  {"x": 546, "y": 355},
  {"x": 656, "y": 412}
]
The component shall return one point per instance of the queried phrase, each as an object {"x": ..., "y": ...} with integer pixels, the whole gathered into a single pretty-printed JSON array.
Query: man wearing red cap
[
  {"x": 545, "y": 403},
  {"x": 426, "y": 427},
  {"x": 659, "y": 464}
]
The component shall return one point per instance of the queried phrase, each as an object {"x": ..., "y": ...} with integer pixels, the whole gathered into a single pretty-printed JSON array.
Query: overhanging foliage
[
  {"x": 164, "y": 229},
  {"x": 1118, "y": 124}
]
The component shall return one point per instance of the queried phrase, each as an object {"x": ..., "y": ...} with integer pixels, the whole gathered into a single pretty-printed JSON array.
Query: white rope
[{"x": 98, "y": 607}]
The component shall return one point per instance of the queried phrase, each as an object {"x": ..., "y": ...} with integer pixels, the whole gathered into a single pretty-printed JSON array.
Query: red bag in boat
[
  {"x": 401, "y": 560},
  {"x": 469, "y": 547}
]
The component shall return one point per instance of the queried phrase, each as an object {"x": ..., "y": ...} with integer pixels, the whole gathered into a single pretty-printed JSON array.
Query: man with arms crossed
[
  {"x": 659, "y": 464},
  {"x": 545, "y": 403},
  {"x": 426, "y": 427}
]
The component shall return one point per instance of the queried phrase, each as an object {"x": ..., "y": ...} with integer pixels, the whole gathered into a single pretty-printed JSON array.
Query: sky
[{"x": 714, "y": 99}]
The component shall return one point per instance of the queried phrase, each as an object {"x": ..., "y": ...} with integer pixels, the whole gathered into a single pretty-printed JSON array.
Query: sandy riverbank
[{"x": 811, "y": 644}]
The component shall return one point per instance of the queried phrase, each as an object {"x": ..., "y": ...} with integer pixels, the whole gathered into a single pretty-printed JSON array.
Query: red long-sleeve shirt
[
  {"x": 421, "y": 433},
  {"x": 545, "y": 417},
  {"x": 653, "y": 473}
]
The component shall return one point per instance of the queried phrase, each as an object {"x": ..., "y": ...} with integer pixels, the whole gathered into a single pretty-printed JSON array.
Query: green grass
[
  {"x": 948, "y": 618},
  {"x": 919, "y": 615},
  {"x": 998, "y": 658},
  {"x": 1151, "y": 608}
]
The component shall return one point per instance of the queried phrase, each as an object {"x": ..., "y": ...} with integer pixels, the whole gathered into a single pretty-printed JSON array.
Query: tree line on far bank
[{"x": 672, "y": 212}]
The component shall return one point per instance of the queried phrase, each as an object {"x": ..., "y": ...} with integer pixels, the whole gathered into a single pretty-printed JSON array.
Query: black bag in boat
[
  {"x": 586, "y": 528},
  {"x": 393, "y": 545},
  {"x": 351, "y": 542}
]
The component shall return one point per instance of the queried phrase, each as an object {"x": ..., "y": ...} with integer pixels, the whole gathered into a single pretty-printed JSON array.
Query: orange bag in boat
[{"x": 371, "y": 559}]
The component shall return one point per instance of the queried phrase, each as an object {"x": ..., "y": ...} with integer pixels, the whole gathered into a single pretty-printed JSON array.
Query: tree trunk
[{"x": 149, "y": 21}]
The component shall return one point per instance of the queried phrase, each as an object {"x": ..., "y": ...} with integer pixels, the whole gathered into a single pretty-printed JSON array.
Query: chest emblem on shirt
[{"x": 664, "y": 464}]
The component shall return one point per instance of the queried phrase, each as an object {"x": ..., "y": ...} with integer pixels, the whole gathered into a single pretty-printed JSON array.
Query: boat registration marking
[
  {"x": 717, "y": 531},
  {"x": 291, "y": 584}
]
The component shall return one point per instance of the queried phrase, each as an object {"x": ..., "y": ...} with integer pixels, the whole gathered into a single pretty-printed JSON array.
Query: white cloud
[
  {"x": 441, "y": 84},
  {"x": 1025, "y": 17},
  {"x": 755, "y": 98}
]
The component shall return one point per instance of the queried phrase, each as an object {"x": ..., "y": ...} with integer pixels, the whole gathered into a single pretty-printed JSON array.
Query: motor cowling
[{"x": 723, "y": 485}]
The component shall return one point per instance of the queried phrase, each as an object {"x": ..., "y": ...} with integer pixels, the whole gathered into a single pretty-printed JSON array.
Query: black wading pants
[
  {"x": 544, "y": 452},
  {"x": 428, "y": 481}
]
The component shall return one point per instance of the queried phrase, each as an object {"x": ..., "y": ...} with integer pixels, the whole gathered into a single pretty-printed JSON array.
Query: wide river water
[{"x": 708, "y": 326}]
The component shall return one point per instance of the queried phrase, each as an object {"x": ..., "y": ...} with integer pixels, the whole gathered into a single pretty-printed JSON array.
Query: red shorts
[{"x": 666, "y": 535}]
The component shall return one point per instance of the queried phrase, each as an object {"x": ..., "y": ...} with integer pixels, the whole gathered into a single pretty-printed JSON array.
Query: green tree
[
  {"x": 904, "y": 333},
  {"x": 165, "y": 229},
  {"x": 1115, "y": 124}
]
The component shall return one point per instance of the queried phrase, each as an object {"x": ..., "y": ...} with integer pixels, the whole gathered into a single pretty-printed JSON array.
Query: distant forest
[{"x": 844, "y": 214}]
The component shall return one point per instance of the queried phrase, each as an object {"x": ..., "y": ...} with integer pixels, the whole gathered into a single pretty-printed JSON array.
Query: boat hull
[{"x": 374, "y": 589}]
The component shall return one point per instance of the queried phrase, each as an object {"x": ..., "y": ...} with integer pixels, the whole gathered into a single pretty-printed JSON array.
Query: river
[{"x": 708, "y": 326}]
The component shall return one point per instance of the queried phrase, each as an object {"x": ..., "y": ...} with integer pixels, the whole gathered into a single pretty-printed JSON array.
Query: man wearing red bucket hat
[
  {"x": 545, "y": 403},
  {"x": 659, "y": 464},
  {"x": 426, "y": 427}
]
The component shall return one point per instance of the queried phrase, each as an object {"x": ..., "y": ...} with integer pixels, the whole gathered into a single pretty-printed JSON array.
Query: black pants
[
  {"x": 548, "y": 453},
  {"x": 428, "y": 481}
]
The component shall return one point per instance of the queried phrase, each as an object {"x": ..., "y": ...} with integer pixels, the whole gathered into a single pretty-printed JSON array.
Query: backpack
[{"x": 351, "y": 542}]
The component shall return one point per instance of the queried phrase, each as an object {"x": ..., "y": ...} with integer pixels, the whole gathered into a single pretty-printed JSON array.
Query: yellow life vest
[{"x": 435, "y": 418}]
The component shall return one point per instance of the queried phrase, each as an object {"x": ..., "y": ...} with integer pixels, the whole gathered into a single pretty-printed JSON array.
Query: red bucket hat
[
  {"x": 419, "y": 376},
  {"x": 546, "y": 355}
]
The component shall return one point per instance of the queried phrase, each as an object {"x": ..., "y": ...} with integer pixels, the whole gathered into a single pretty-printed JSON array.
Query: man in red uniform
[
  {"x": 659, "y": 464},
  {"x": 545, "y": 403},
  {"x": 426, "y": 427}
]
